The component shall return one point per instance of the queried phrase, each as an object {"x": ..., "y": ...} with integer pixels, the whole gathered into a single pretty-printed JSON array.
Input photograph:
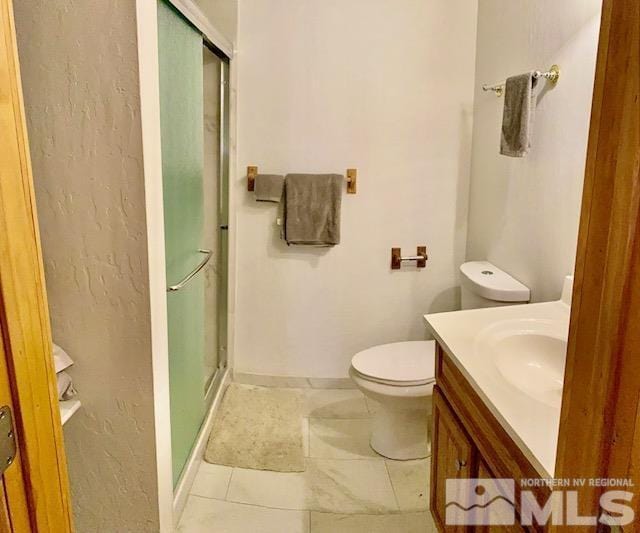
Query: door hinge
[{"x": 7, "y": 439}]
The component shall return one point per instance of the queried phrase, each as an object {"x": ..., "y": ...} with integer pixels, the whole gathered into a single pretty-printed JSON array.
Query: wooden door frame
[
  {"x": 37, "y": 482},
  {"x": 600, "y": 420}
]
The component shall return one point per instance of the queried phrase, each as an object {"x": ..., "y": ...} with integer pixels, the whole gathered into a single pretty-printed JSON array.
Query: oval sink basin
[
  {"x": 530, "y": 355},
  {"x": 534, "y": 364}
]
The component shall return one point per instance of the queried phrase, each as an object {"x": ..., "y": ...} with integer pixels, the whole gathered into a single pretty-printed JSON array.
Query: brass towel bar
[{"x": 553, "y": 74}]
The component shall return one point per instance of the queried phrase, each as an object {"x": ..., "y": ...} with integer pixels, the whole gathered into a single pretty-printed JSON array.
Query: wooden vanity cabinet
[{"x": 469, "y": 442}]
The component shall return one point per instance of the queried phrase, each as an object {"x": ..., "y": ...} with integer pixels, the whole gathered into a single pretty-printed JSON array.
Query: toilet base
[{"x": 401, "y": 434}]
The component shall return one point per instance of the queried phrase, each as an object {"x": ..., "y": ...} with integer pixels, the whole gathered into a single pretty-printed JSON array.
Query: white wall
[
  {"x": 223, "y": 15},
  {"x": 523, "y": 213},
  {"x": 80, "y": 75},
  {"x": 383, "y": 86}
]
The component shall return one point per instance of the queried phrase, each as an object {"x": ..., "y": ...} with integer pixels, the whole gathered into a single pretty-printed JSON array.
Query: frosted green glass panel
[{"x": 181, "y": 120}]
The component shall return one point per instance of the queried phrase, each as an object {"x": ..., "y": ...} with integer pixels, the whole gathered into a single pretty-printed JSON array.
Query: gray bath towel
[
  {"x": 517, "y": 117},
  {"x": 311, "y": 209},
  {"x": 268, "y": 187}
]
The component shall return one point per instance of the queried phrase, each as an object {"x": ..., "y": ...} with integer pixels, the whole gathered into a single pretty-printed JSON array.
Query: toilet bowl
[{"x": 399, "y": 377}]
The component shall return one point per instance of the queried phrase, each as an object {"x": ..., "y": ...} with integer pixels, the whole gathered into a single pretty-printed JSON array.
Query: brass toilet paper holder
[{"x": 420, "y": 258}]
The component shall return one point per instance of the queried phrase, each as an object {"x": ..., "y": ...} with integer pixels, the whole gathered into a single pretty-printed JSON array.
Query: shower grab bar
[{"x": 193, "y": 273}]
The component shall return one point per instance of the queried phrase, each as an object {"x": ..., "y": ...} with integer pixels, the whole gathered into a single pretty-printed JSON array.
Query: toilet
[{"x": 400, "y": 376}]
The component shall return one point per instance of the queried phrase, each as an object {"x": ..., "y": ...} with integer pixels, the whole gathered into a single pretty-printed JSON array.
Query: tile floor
[{"x": 346, "y": 487}]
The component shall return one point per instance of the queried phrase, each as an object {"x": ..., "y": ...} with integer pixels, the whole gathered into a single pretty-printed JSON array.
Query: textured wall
[
  {"x": 384, "y": 86},
  {"x": 80, "y": 76},
  {"x": 523, "y": 213}
]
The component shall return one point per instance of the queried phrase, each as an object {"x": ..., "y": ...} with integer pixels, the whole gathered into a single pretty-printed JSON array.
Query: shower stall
[{"x": 194, "y": 119}]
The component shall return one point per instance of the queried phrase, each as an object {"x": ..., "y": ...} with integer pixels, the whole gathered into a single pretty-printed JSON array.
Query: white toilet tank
[{"x": 485, "y": 285}]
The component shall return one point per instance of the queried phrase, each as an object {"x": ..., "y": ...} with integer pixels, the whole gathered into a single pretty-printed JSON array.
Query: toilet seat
[{"x": 399, "y": 364}]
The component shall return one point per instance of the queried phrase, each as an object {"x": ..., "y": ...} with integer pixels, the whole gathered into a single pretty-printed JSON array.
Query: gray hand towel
[
  {"x": 517, "y": 117},
  {"x": 268, "y": 187},
  {"x": 311, "y": 209}
]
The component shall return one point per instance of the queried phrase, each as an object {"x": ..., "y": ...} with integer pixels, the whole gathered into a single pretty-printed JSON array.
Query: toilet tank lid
[{"x": 488, "y": 281}]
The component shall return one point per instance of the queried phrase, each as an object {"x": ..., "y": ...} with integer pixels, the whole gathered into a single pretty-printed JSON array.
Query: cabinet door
[
  {"x": 453, "y": 457},
  {"x": 485, "y": 473}
]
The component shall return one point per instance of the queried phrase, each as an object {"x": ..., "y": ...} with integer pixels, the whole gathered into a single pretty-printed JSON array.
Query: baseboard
[
  {"x": 185, "y": 482},
  {"x": 294, "y": 382}
]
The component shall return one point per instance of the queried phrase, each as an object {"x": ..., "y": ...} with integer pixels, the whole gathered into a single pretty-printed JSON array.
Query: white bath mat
[{"x": 258, "y": 428}]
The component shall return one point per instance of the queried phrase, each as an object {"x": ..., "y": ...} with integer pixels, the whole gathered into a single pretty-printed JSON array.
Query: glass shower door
[
  {"x": 211, "y": 66},
  {"x": 181, "y": 121},
  {"x": 194, "y": 132},
  {"x": 216, "y": 194}
]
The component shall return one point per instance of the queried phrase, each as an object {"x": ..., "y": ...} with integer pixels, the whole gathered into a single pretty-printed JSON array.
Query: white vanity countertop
[{"x": 531, "y": 418}]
